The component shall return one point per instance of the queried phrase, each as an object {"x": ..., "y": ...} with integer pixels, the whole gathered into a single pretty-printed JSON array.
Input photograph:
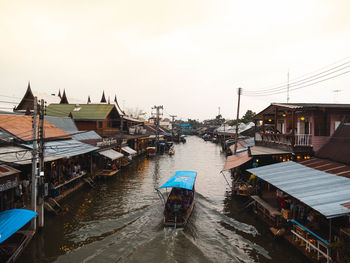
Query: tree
[
  {"x": 135, "y": 113},
  {"x": 248, "y": 116},
  {"x": 194, "y": 123}
]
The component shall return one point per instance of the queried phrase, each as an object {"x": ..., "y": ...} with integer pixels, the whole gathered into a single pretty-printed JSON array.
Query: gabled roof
[
  {"x": 300, "y": 106},
  {"x": 120, "y": 111},
  {"x": 20, "y": 126},
  {"x": 338, "y": 146},
  {"x": 80, "y": 111}
]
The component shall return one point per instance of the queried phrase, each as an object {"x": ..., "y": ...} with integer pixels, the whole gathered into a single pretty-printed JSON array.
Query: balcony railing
[
  {"x": 274, "y": 138},
  {"x": 108, "y": 131},
  {"x": 284, "y": 139},
  {"x": 303, "y": 140}
]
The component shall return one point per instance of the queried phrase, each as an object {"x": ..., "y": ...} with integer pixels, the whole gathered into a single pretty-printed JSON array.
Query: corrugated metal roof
[
  {"x": 299, "y": 106},
  {"x": 21, "y": 156},
  {"x": 328, "y": 166},
  {"x": 321, "y": 191},
  {"x": 86, "y": 135},
  {"x": 111, "y": 154},
  {"x": 81, "y": 111},
  {"x": 129, "y": 150},
  {"x": 68, "y": 125},
  {"x": 233, "y": 161},
  {"x": 6, "y": 170},
  {"x": 261, "y": 150},
  {"x": 131, "y": 119},
  {"x": 312, "y": 105},
  {"x": 21, "y": 127},
  {"x": 66, "y": 148},
  {"x": 64, "y": 123}
]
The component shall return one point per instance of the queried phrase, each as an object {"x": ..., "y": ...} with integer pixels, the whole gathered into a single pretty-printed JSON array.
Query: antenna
[
  {"x": 288, "y": 87},
  {"x": 336, "y": 93}
]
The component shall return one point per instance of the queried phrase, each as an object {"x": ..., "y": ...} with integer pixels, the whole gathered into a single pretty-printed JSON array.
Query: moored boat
[
  {"x": 180, "y": 202},
  {"x": 151, "y": 151}
]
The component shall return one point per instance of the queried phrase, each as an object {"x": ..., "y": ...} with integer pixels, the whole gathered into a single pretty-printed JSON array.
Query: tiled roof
[
  {"x": 20, "y": 126},
  {"x": 80, "y": 111}
]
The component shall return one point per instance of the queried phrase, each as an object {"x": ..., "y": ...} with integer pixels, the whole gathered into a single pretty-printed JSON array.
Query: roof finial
[
  {"x": 103, "y": 99},
  {"x": 64, "y": 99}
]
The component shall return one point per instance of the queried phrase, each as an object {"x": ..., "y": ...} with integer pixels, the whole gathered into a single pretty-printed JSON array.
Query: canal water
[{"x": 121, "y": 219}]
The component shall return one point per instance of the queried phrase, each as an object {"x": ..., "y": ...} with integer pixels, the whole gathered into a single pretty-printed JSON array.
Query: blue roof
[
  {"x": 181, "y": 179},
  {"x": 13, "y": 220},
  {"x": 64, "y": 123},
  {"x": 321, "y": 191},
  {"x": 65, "y": 148},
  {"x": 86, "y": 135}
]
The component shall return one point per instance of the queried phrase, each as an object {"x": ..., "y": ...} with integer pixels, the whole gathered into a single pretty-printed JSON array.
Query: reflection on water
[{"x": 121, "y": 219}]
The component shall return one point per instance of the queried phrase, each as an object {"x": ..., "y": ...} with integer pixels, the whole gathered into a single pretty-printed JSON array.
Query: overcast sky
[{"x": 188, "y": 55}]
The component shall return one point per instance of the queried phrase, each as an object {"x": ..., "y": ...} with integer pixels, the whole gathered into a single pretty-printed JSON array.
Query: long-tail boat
[{"x": 180, "y": 202}]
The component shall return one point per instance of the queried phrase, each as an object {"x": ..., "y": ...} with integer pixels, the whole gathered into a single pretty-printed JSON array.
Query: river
[{"x": 120, "y": 220}]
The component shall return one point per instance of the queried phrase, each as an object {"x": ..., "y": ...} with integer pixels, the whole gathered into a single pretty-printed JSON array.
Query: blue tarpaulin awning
[
  {"x": 181, "y": 179},
  {"x": 13, "y": 220}
]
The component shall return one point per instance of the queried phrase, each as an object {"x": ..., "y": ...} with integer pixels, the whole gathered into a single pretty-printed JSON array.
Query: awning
[
  {"x": 111, "y": 154},
  {"x": 21, "y": 155},
  {"x": 261, "y": 150},
  {"x": 66, "y": 148},
  {"x": 233, "y": 161},
  {"x": 181, "y": 179},
  {"x": 13, "y": 220},
  {"x": 319, "y": 190},
  {"x": 129, "y": 150}
]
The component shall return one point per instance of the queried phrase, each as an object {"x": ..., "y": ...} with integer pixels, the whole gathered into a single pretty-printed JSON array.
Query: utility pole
[
  {"x": 172, "y": 124},
  {"x": 157, "y": 108},
  {"x": 239, "y": 99},
  {"x": 34, "y": 162},
  {"x": 288, "y": 87},
  {"x": 41, "y": 165}
]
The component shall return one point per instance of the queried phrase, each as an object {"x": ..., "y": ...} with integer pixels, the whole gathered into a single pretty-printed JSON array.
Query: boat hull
[{"x": 178, "y": 217}]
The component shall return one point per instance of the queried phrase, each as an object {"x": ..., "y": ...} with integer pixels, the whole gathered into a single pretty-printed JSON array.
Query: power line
[
  {"x": 296, "y": 88},
  {"x": 303, "y": 81},
  {"x": 323, "y": 69}
]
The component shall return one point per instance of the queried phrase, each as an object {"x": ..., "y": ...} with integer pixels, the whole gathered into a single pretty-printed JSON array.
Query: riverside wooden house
[{"x": 299, "y": 127}]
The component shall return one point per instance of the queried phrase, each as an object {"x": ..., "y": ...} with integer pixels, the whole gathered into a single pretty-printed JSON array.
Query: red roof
[
  {"x": 21, "y": 127},
  {"x": 233, "y": 161},
  {"x": 328, "y": 166}
]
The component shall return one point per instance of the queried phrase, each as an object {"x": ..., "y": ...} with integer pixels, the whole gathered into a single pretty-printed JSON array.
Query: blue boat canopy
[
  {"x": 13, "y": 220},
  {"x": 181, "y": 179}
]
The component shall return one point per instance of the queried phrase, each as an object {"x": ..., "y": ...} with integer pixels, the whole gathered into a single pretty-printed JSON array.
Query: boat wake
[{"x": 140, "y": 237}]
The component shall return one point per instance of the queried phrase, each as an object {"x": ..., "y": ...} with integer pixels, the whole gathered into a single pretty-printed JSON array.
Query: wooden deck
[{"x": 268, "y": 211}]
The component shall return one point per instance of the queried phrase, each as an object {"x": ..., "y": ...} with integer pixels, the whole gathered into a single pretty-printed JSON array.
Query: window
[{"x": 100, "y": 124}]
